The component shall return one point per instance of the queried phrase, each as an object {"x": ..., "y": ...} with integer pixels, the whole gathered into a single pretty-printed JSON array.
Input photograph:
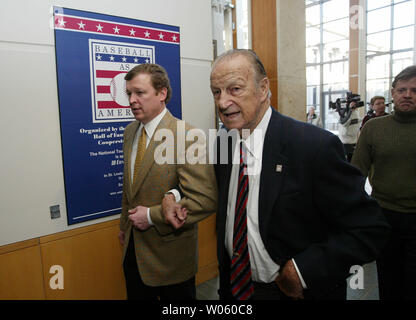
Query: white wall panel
[{"x": 31, "y": 173}]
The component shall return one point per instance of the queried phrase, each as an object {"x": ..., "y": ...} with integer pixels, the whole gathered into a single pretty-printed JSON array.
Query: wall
[
  {"x": 89, "y": 259},
  {"x": 291, "y": 62},
  {"x": 263, "y": 38},
  {"x": 278, "y": 37},
  {"x": 31, "y": 172},
  {"x": 31, "y": 175}
]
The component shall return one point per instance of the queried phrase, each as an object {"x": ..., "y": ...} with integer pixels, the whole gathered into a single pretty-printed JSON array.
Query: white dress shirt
[{"x": 263, "y": 268}]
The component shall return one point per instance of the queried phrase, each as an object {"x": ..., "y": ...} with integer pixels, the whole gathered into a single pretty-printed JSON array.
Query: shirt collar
[
  {"x": 254, "y": 142},
  {"x": 151, "y": 126}
]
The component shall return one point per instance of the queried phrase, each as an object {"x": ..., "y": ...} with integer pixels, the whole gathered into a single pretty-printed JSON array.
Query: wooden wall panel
[
  {"x": 207, "y": 242},
  {"x": 91, "y": 262},
  {"x": 264, "y": 40},
  {"x": 21, "y": 273}
]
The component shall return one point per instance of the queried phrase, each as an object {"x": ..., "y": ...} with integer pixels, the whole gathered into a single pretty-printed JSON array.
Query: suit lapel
[
  {"x": 129, "y": 146},
  {"x": 271, "y": 178},
  {"x": 168, "y": 121}
]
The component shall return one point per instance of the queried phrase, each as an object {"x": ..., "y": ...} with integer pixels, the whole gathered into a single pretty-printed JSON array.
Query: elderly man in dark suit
[{"x": 293, "y": 215}]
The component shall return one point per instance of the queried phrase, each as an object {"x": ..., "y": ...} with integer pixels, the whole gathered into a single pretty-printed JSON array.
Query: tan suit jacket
[{"x": 164, "y": 255}]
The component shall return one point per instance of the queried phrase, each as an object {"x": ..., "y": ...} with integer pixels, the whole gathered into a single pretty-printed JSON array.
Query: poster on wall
[{"x": 93, "y": 53}]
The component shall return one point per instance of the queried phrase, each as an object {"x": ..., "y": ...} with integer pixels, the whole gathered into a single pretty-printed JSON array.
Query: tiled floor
[{"x": 208, "y": 289}]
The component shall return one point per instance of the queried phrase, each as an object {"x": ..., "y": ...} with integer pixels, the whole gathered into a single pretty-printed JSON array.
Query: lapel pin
[{"x": 278, "y": 168}]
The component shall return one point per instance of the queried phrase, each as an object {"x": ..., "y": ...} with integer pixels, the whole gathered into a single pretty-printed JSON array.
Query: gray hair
[
  {"x": 258, "y": 67},
  {"x": 406, "y": 74},
  {"x": 256, "y": 63}
]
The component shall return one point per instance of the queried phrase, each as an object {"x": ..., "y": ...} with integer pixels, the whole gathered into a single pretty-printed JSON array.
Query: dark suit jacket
[{"x": 315, "y": 210}]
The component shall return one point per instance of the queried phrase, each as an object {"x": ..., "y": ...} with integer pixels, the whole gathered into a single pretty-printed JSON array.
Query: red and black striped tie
[{"x": 241, "y": 284}]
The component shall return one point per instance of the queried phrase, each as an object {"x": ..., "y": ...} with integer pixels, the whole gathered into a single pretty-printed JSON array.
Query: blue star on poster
[{"x": 93, "y": 53}]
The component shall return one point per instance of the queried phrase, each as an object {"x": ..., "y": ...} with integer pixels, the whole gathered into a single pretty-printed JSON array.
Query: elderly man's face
[
  {"x": 240, "y": 102},
  {"x": 404, "y": 95}
]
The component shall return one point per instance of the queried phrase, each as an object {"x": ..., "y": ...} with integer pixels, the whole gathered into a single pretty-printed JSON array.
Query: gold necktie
[{"x": 141, "y": 148}]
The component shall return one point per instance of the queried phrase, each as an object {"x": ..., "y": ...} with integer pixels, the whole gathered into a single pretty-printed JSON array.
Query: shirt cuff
[
  {"x": 148, "y": 217},
  {"x": 176, "y": 194},
  {"x": 300, "y": 276}
]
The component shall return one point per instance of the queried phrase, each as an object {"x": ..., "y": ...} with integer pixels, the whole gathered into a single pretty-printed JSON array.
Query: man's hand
[
  {"x": 289, "y": 282},
  {"x": 173, "y": 211},
  {"x": 121, "y": 237},
  {"x": 138, "y": 216}
]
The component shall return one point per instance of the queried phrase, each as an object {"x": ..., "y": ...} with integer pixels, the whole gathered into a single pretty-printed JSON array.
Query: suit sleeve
[
  {"x": 198, "y": 188},
  {"x": 357, "y": 231}
]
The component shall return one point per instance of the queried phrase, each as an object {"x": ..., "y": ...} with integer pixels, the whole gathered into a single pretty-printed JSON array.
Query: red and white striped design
[{"x": 82, "y": 24}]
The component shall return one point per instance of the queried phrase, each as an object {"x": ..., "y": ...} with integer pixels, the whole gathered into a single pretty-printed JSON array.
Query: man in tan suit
[{"x": 158, "y": 260}]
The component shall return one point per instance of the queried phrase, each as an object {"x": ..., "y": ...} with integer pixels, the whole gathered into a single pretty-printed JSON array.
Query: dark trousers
[
  {"x": 137, "y": 290},
  {"x": 396, "y": 265}
]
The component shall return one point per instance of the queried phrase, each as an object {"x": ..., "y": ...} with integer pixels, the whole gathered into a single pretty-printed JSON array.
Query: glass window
[
  {"x": 379, "y": 20},
  {"x": 378, "y": 67},
  {"x": 400, "y": 37},
  {"x": 404, "y": 14},
  {"x": 331, "y": 116},
  {"x": 378, "y": 42},
  {"x": 327, "y": 62},
  {"x": 313, "y": 16},
  {"x": 313, "y": 36},
  {"x": 313, "y": 95},
  {"x": 335, "y": 72},
  {"x": 373, "y": 4},
  {"x": 401, "y": 60},
  {"x": 307, "y": 2},
  {"x": 313, "y": 55},
  {"x": 403, "y": 38},
  {"x": 335, "y": 88},
  {"x": 336, "y": 30},
  {"x": 379, "y": 87},
  {"x": 336, "y": 50},
  {"x": 335, "y": 9},
  {"x": 313, "y": 75}
]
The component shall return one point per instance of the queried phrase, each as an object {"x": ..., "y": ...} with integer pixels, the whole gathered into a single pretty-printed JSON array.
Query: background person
[
  {"x": 386, "y": 153},
  {"x": 378, "y": 109},
  {"x": 313, "y": 118},
  {"x": 348, "y": 132}
]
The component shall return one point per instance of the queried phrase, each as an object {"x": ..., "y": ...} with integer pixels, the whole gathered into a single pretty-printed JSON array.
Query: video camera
[
  {"x": 351, "y": 97},
  {"x": 342, "y": 106}
]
